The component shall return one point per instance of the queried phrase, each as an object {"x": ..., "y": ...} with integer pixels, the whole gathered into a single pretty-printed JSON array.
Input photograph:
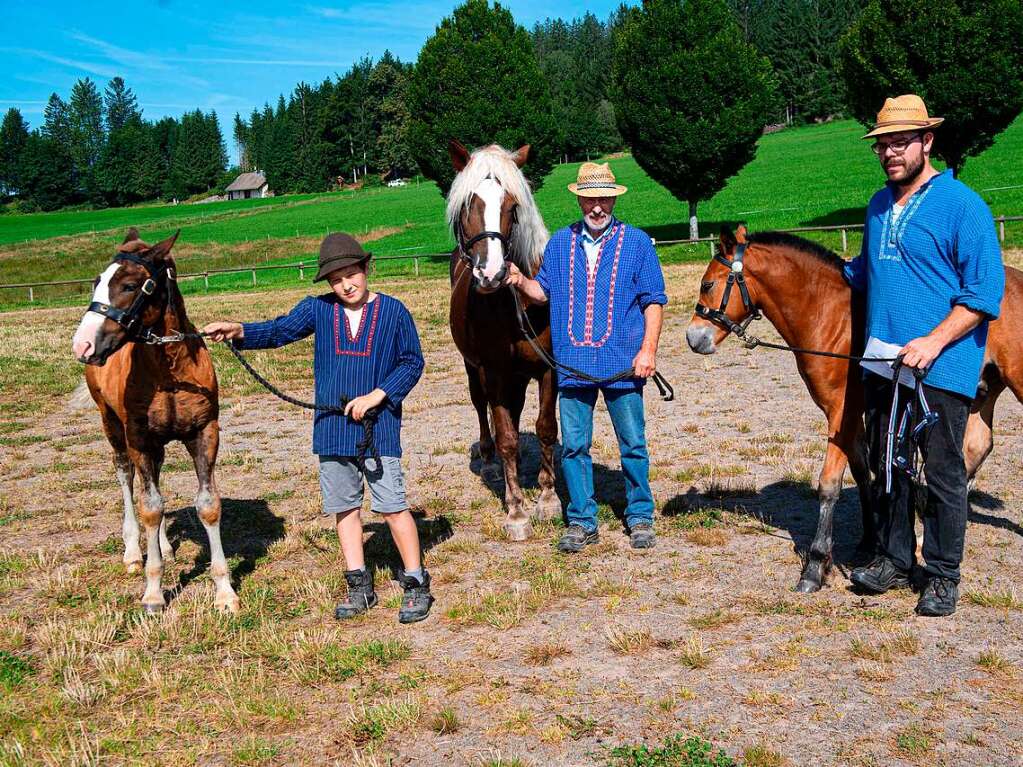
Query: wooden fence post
[
  {"x": 845, "y": 242},
  {"x": 416, "y": 262},
  {"x": 1001, "y": 229},
  {"x": 31, "y": 295},
  {"x": 253, "y": 277},
  {"x": 301, "y": 269},
  {"x": 206, "y": 281}
]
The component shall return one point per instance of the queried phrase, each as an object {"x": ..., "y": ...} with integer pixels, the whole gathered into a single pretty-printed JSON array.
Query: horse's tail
[{"x": 80, "y": 398}]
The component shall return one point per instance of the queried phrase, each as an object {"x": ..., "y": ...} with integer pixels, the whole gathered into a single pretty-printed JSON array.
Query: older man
[
  {"x": 932, "y": 271},
  {"x": 606, "y": 292}
]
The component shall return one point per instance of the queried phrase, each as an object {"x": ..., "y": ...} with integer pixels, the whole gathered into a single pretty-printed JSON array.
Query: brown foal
[
  {"x": 151, "y": 394},
  {"x": 494, "y": 218},
  {"x": 799, "y": 287}
]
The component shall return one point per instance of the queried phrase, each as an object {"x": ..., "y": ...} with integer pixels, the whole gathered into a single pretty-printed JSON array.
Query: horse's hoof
[
  {"x": 518, "y": 531},
  {"x": 474, "y": 452},
  {"x": 230, "y": 605},
  {"x": 807, "y": 586},
  {"x": 133, "y": 568},
  {"x": 546, "y": 511},
  {"x": 153, "y": 609},
  {"x": 168, "y": 556}
]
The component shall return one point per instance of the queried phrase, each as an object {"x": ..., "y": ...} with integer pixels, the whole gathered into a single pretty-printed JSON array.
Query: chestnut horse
[
  {"x": 495, "y": 220},
  {"x": 150, "y": 392},
  {"x": 799, "y": 287}
]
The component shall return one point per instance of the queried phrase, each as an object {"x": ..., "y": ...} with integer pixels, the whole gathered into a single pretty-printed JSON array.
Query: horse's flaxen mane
[
  {"x": 783, "y": 239},
  {"x": 529, "y": 235}
]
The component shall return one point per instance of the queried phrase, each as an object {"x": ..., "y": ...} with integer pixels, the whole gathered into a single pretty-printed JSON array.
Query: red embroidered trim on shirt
[
  {"x": 591, "y": 281},
  {"x": 348, "y": 335}
]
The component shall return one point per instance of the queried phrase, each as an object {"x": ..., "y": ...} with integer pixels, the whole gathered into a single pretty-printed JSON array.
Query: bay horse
[
  {"x": 799, "y": 288},
  {"x": 150, "y": 393},
  {"x": 494, "y": 219}
]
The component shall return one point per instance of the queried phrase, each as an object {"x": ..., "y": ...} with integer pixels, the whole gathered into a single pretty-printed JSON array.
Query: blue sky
[{"x": 225, "y": 55}]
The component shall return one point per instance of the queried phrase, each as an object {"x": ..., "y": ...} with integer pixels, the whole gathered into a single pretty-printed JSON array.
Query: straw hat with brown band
[
  {"x": 596, "y": 181},
  {"x": 903, "y": 113}
]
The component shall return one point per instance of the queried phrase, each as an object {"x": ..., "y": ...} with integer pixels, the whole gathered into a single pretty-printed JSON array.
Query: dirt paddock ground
[{"x": 529, "y": 657}]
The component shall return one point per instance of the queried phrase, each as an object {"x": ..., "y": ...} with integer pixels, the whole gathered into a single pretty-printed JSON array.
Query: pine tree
[
  {"x": 86, "y": 121},
  {"x": 13, "y": 138},
  {"x": 477, "y": 80},
  {"x": 57, "y": 121},
  {"x": 129, "y": 167},
  {"x": 691, "y": 95},
  {"x": 45, "y": 173},
  {"x": 121, "y": 105},
  {"x": 962, "y": 57}
]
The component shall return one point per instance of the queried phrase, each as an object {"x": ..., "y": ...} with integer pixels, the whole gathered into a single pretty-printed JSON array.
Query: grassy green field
[{"x": 817, "y": 175}]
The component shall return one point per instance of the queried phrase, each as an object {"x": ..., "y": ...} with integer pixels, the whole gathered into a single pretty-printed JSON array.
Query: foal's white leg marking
[
  {"x": 225, "y": 599},
  {"x": 492, "y": 193},
  {"x": 129, "y": 525},
  {"x": 91, "y": 322},
  {"x": 152, "y": 599},
  {"x": 165, "y": 546}
]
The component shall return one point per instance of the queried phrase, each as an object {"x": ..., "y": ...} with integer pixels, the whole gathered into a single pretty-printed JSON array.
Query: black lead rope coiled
[
  {"x": 902, "y": 443},
  {"x": 365, "y": 447}
]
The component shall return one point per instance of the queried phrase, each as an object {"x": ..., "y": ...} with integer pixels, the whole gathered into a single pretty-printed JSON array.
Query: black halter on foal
[
  {"x": 735, "y": 277},
  {"x": 131, "y": 318}
]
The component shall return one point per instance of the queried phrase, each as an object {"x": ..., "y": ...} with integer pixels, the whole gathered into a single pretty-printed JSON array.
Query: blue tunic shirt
[
  {"x": 941, "y": 252},
  {"x": 384, "y": 353},
  {"x": 597, "y": 322}
]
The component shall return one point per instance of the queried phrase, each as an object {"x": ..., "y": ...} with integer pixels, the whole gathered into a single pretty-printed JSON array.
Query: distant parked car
[{"x": 397, "y": 182}]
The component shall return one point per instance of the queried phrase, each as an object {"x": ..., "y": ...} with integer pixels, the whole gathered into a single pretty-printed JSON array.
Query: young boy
[{"x": 367, "y": 353}]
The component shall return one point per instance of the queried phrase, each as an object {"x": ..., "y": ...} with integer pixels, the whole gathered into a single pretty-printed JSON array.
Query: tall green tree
[
  {"x": 57, "y": 122},
  {"x": 963, "y": 57},
  {"x": 477, "y": 80},
  {"x": 691, "y": 95},
  {"x": 129, "y": 166},
  {"x": 198, "y": 157},
  {"x": 121, "y": 105},
  {"x": 13, "y": 138},
  {"x": 45, "y": 173},
  {"x": 85, "y": 114}
]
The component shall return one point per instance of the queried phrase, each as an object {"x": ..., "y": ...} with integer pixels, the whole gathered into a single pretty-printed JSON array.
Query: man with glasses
[{"x": 932, "y": 272}]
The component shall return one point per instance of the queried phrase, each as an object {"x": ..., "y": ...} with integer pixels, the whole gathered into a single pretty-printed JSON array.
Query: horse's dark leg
[
  {"x": 548, "y": 506},
  {"x": 860, "y": 467},
  {"x": 489, "y": 470},
  {"x": 818, "y": 561},
  {"x": 147, "y": 461},
  {"x": 203, "y": 449},
  {"x": 507, "y": 395}
]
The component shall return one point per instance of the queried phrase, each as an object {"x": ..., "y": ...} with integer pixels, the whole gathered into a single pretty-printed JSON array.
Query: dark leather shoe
[
  {"x": 576, "y": 538},
  {"x": 880, "y": 576},
  {"x": 939, "y": 598}
]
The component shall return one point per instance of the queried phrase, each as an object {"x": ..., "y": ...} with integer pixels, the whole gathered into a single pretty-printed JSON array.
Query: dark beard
[{"x": 912, "y": 173}]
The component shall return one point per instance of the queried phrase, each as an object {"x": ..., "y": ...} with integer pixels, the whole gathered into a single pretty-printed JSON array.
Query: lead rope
[
  {"x": 902, "y": 444},
  {"x": 365, "y": 446}
]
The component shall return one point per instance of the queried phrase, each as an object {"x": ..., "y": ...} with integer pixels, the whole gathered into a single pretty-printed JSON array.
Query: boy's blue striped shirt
[
  {"x": 941, "y": 252},
  {"x": 384, "y": 353},
  {"x": 597, "y": 326}
]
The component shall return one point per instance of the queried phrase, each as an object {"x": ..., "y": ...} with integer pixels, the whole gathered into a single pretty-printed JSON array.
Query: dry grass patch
[
  {"x": 544, "y": 653},
  {"x": 704, "y": 536},
  {"x": 445, "y": 721},
  {"x": 914, "y": 742},
  {"x": 713, "y": 619},
  {"x": 1005, "y": 599},
  {"x": 886, "y": 646},
  {"x": 760, "y": 755},
  {"x": 625, "y": 641},
  {"x": 995, "y": 664},
  {"x": 369, "y": 724},
  {"x": 693, "y": 654}
]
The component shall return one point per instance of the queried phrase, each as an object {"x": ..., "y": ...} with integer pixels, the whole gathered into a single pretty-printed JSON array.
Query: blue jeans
[{"x": 626, "y": 410}]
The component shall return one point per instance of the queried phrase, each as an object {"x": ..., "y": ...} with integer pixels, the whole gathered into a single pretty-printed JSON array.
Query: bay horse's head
[
  {"x": 726, "y": 304},
  {"x": 129, "y": 297},
  {"x": 492, "y": 214}
]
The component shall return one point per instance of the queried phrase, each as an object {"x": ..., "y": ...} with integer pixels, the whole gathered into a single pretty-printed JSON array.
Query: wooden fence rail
[{"x": 301, "y": 266}]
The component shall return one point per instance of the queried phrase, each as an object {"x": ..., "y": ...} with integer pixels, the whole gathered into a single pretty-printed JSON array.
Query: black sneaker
[
  {"x": 576, "y": 538},
  {"x": 880, "y": 576},
  {"x": 939, "y": 597},
  {"x": 415, "y": 603},
  {"x": 361, "y": 595},
  {"x": 641, "y": 536}
]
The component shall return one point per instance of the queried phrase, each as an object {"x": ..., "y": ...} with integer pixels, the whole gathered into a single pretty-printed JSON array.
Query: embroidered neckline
[
  {"x": 348, "y": 336},
  {"x": 591, "y": 284},
  {"x": 352, "y": 338}
]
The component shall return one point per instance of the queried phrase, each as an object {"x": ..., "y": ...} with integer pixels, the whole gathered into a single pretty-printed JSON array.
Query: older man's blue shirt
[
  {"x": 941, "y": 252},
  {"x": 383, "y": 353},
  {"x": 597, "y": 322}
]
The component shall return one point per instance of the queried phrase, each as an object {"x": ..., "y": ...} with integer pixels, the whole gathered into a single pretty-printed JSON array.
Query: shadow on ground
[
  {"x": 379, "y": 546},
  {"x": 247, "y": 529}
]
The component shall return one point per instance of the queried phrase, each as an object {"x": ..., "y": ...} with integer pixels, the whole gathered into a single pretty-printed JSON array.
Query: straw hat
[
  {"x": 596, "y": 181},
  {"x": 901, "y": 113}
]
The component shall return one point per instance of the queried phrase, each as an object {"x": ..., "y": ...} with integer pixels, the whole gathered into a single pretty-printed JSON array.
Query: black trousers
[{"x": 944, "y": 518}]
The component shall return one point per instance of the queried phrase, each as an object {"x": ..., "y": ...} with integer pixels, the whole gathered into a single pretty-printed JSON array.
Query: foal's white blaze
[
  {"x": 85, "y": 337},
  {"x": 492, "y": 194}
]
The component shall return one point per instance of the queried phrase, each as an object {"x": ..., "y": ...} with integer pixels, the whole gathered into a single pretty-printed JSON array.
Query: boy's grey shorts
[{"x": 342, "y": 487}]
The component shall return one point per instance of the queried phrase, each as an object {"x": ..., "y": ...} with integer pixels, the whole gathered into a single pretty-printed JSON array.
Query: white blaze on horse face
[
  {"x": 492, "y": 194},
  {"x": 85, "y": 337}
]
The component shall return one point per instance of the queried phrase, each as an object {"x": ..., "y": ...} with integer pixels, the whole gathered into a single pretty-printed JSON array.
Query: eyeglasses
[{"x": 897, "y": 147}]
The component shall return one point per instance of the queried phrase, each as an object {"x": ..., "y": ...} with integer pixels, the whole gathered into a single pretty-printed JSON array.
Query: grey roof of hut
[{"x": 247, "y": 181}]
